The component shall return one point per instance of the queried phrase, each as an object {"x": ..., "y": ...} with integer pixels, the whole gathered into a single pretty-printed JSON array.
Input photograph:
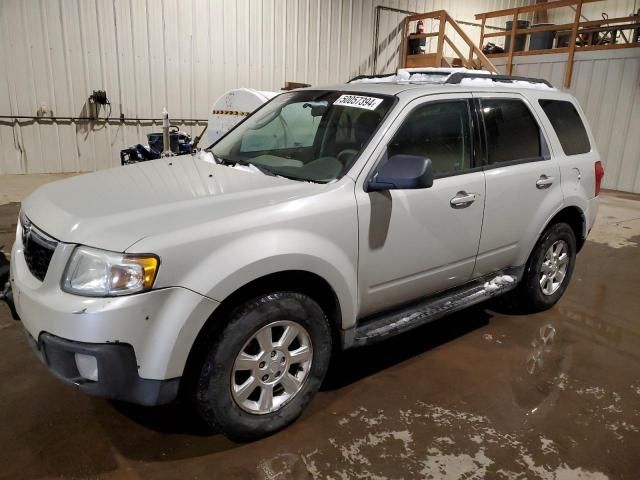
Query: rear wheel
[
  {"x": 548, "y": 270},
  {"x": 264, "y": 367}
]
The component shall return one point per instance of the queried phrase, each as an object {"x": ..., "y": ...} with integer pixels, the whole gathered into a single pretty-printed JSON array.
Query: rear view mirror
[
  {"x": 402, "y": 172},
  {"x": 318, "y": 108}
]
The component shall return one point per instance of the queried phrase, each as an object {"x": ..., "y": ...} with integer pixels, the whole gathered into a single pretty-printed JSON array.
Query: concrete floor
[{"x": 476, "y": 395}]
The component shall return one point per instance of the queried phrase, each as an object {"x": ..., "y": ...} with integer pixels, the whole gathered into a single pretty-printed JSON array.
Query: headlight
[{"x": 100, "y": 273}]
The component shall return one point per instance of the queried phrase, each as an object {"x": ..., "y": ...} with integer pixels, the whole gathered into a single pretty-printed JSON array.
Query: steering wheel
[{"x": 347, "y": 151}]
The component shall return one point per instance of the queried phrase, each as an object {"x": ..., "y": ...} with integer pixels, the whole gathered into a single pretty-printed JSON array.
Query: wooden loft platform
[
  {"x": 467, "y": 53},
  {"x": 605, "y": 34}
]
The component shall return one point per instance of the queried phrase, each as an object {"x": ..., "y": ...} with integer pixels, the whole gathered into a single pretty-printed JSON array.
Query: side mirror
[{"x": 402, "y": 172}]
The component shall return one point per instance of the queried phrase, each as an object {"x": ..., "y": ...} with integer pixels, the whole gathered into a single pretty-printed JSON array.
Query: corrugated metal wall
[
  {"x": 607, "y": 85},
  {"x": 182, "y": 54},
  {"x": 594, "y": 11}
]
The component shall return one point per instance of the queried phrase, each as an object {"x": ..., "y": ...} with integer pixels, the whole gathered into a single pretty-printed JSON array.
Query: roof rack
[
  {"x": 457, "y": 77},
  {"x": 379, "y": 75},
  {"x": 452, "y": 76}
]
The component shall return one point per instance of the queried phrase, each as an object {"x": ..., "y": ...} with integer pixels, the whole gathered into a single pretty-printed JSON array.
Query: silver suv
[{"x": 329, "y": 219}]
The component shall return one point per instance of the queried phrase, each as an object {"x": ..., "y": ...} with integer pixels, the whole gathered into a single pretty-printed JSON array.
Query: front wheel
[
  {"x": 548, "y": 270},
  {"x": 265, "y": 366}
]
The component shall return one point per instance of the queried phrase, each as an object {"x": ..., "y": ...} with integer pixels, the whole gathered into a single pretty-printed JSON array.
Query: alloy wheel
[
  {"x": 271, "y": 368},
  {"x": 554, "y": 267}
]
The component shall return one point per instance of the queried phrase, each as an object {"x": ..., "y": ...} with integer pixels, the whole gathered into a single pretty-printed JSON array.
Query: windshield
[{"x": 313, "y": 135}]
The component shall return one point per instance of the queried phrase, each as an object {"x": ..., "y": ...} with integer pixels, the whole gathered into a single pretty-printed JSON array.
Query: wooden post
[
  {"x": 512, "y": 43},
  {"x": 568, "y": 73},
  {"x": 484, "y": 21},
  {"x": 472, "y": 50},
  {"x": 541, "y": 16},
  {"x": 443, "y": 21}
]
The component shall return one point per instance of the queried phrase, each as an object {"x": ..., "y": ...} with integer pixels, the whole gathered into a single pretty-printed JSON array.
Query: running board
[{"x": 394, "y": 322}]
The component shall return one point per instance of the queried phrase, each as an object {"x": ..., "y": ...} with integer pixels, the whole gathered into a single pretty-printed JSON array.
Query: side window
[
  {"x": 568, "y": 126},
  {"x": 439, "y": 131},
  {"x": 294, "y": 127},
  {"x": 513, "y": 133}
]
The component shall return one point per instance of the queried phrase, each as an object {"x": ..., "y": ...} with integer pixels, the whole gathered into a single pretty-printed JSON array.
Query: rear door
[{"x": 523, "y": 187}]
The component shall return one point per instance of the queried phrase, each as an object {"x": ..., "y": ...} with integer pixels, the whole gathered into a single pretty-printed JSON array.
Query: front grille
[{"x": 38, "y": 248}]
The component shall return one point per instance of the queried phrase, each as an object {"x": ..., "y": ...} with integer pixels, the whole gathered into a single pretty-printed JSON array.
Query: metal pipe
[
  {"x": 376, "y": 31},
  {"x": 472, "y": 24},
  {"x": 93, "y": 119},
  {"x": 376, "y": 28},
  {"x": 166, "y": 147}
]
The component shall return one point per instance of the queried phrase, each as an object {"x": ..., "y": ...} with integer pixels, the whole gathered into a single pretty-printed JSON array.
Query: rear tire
[
  {"x": 548, "y": 271},
  {"x": 264, "y": 366}
]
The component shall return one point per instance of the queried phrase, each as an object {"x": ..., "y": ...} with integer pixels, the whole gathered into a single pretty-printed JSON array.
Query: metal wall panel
[
  {"x": 182, "y": 54},
  {"x": 594, "y": 11},
  {"x": 607, "y": 85}
]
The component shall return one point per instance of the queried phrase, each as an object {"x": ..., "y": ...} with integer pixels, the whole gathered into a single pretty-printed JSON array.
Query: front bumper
[
  {"x": 159, "y": 326},
  {"x": 118, "y": 377}
]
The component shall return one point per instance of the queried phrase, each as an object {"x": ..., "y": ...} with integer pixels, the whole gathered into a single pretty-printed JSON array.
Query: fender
[
  {"x": 228, "y": 264},
  {"x": 258, "y": 255}
]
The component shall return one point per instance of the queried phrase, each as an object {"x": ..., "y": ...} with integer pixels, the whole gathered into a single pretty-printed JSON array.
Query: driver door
[{"x": 414, "y": 243}]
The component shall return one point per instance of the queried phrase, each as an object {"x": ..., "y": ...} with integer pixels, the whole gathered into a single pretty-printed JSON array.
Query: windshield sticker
[{"x": 357, "y": 101}]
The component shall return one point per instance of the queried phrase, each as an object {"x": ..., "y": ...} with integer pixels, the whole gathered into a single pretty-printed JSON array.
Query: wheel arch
[
  {"x": 574, "y": 217},
  {"x": 300, "y": 281}
]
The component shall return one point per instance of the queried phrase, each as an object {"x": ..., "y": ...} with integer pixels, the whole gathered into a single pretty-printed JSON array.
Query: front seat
[{"x": 363, "y": 128}]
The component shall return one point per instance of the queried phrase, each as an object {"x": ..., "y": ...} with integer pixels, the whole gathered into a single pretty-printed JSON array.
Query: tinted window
[
  {"x": 568, "y": 126},
  {"x": 512, "y": 132},
  {"x": 439, "y": 131}
]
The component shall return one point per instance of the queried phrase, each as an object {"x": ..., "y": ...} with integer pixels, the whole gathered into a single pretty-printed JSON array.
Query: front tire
[
  {"x": 264, "y": 367},
  {"x": 548, "y": 270}
]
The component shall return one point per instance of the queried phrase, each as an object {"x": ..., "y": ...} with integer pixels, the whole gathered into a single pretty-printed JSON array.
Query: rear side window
[
  {"x": 513, "y": 133},
  {"x": 568, "y": 126}
]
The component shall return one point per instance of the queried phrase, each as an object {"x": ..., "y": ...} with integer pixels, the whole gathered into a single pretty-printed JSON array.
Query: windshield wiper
[
  {"x": 245, "y": 163},
  {"x": 299, "y": 179},
  {"x": 264, "y": 170}
]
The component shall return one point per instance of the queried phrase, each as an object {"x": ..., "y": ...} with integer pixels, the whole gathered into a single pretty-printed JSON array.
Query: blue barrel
[{"x": 541, "y": 40}]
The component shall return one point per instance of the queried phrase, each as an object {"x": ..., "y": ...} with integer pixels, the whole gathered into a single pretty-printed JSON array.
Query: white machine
[{"x": 231, "y": 108}]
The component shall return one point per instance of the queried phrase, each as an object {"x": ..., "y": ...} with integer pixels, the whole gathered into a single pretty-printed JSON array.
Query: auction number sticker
[{"x": 357, "y": 101}]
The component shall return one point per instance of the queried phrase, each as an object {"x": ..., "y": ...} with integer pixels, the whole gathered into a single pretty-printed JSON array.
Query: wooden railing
[
  {"x": 581, "y": 34},
  {"x": 473, "y": 58}
]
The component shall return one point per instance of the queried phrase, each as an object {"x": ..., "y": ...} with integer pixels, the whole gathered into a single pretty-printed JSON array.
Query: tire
[
  {"x": 532, "y": 294},
  {"x": 219, "y": 397}
]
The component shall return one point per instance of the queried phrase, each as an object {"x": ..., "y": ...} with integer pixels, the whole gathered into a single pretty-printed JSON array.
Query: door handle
[
  {"x": 462, "y": 199},
  {"x": 544, "y": 182}
]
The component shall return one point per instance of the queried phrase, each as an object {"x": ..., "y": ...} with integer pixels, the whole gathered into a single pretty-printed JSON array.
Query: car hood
[{"x": 115, "y": 208}]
